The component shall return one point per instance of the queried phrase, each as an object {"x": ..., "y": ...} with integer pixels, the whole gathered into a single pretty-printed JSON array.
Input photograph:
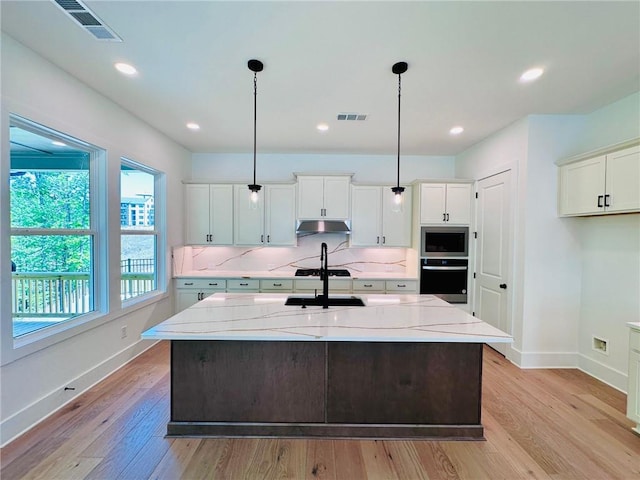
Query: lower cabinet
[
  {"x": 401, "y": 286},
  {"x": 276, "y": 285},
  {"x": 633, "y": 392},
  {"x": 191, "y": 290},
  {"x": 249, "y": 285},
  {"x": 315, "y": 285}
]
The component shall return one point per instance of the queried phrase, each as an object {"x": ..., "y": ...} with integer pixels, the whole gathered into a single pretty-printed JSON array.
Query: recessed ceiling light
[
  {"x": 126, "y": 68},
  {"x": 323, "y": 127},
  {"x": 58, "y": 143},
  {"x": 456, "y": 130},
  {"x": 193, "y": 126},
  {"x": 531, "y": 74}
]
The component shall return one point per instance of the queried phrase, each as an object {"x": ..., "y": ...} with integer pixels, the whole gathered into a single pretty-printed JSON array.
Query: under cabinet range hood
[{"x": 323, "y": 226}]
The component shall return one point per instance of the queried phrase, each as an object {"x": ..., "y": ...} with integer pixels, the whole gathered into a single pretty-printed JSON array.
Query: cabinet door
[
  {"x": 280, "y": 215},
  {"x": 366, "y": 216},
  {"x": 396, "y": 226},
  {"x": 623, "y": 181},
  {"x": 196, "y": 214},
  {"x": 432, "y": 202},
  {"x": 310, "y": 197},
  {"x": 221, "y": 214},
  {"x": 185, "y": 298},
  {"x": 458, "y": 205},
  {"x": 582, "y": 187},
  {"x": 248, "y": 224},
  {"x": 337, "y": 193}
]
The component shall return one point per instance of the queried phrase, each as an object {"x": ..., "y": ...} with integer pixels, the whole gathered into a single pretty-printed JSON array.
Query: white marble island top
[{"x": 384, "y": 318}]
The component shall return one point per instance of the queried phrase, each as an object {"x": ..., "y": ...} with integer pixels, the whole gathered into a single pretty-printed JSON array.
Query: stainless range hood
[{"x": 323, "y": 226}]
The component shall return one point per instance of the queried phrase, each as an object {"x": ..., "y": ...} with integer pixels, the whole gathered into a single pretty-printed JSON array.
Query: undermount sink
[{"x": 346, "y": 301}]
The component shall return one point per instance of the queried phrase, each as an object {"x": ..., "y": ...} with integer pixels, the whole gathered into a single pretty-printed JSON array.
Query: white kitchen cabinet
[
  {"x": 324, "y": 197},
  {"x": 368, "y": 286},
  {"x": 249, "y": 285},
  {"x": 191, "y": 290},
  {"x": 445, "y": 203},
  {"x": 401, "y": 286},
  {"x": 208, "y": 214},
  {"x": 271, "y": 222},
  {"x": 310, "y": 285},
  {"x": 633, "y": 391},
  {"x": 276, "y": 285},
  {"x": 374, "y": 223},
  {"x": 608, "y": 183}
]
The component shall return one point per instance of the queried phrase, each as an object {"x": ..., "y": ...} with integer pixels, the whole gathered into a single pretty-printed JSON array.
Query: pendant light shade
[
  {"x": 398, "y": 69},
  {"x": 255, "y": 66}
]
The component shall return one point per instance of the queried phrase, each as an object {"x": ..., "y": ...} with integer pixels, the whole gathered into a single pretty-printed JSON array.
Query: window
[
  {"x": 139, "y": 232},
  {"x": 53, "y": 227}
]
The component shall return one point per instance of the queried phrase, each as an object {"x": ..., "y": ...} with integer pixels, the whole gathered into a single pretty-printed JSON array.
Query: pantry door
[{"x": 493, "y": 253}]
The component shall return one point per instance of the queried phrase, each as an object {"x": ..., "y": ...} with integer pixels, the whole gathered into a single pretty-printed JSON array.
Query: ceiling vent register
[
  {"x": 87, "y": 20},
  {"x": 352, "y": 116}
]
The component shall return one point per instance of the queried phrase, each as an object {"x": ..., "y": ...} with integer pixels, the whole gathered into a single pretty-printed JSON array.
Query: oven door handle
[{"x": 444, "y": 268}]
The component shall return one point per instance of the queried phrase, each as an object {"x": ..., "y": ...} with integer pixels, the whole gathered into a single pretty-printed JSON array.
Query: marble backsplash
[{"x": 288, "y": 259}]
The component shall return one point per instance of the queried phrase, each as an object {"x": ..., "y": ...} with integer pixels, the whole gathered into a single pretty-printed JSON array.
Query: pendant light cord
[
  {"x": 255, "y": 120},
  {"x": 399, "y": 90}
]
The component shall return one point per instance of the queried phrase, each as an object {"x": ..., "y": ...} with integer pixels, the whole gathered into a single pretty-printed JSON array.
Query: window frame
[
  {"x": 158, "y": 232},
  {"x": 38, "y": 339}
]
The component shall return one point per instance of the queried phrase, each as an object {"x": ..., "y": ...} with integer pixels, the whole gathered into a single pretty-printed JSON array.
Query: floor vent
[
  {"x": 87, "y": 20},
  {"x": 352, "y": 116}
]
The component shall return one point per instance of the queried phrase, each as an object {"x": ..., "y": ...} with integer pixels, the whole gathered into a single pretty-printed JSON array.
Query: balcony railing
[{"x": 45, "y": 298}]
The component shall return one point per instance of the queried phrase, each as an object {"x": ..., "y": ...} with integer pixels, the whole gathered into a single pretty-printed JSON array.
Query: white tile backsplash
[{"x": 288, "y": 259}]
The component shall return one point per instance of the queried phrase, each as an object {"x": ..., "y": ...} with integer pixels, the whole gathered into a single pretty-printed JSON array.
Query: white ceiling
[{"x": 323, "y": 58}]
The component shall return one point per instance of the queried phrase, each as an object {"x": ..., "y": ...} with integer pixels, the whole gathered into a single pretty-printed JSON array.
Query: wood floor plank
[
  {"x": 349, "y": 462},
  {"x": 175, "y": 460},
  {"x": 539, "y": 424},
  {"x": 320, "y": 460}
]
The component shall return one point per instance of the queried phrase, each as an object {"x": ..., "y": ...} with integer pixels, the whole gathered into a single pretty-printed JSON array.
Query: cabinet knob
[{"x": 503, "y": 286}]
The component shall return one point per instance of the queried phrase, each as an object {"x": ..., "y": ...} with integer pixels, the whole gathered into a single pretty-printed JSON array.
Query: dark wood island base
[{"x": 326, "y": 389}]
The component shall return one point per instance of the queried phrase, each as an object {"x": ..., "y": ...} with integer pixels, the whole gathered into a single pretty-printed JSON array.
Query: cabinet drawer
[
  {"x": 201, "y": 283},
  {"x": 634, "y": 340},
  {"x": 364, "y": 286},
  {"x": 311, "y": 285},
  {"x": 276, "y": 285},
  {"x": 244, "y": 284},
  {"x": 406, "y": 286}
]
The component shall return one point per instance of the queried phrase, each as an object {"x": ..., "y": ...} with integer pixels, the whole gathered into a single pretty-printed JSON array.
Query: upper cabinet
[
  {"x": 374, "y": 220},
  {"x": 209, "y": 214},
  {"x": 270, "y": 222},
  {"x": 445, "y": 203},
  {"x": 602, "y": 184},
  {"x": 324, "y": 197}
]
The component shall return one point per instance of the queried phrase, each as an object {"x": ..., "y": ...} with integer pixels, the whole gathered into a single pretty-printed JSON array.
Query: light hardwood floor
[{"x": 539, "y": 424}]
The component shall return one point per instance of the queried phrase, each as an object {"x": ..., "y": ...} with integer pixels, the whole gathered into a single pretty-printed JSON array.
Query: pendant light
[
  {"x": 255, "y": 66},
  {"x": 398, "y": 69}
]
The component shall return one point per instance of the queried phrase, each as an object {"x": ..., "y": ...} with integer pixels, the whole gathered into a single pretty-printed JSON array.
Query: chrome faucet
[{"x": 324, "y": 274}]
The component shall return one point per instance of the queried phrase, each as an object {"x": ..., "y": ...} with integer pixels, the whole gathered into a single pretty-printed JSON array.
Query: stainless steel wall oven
[{"x": 445, "y": 278}]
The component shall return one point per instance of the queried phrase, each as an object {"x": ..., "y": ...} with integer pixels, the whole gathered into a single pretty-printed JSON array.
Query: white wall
[
  {"x": 559, "y": 263},
  {"x": 382, "y": 169},
  {"x": 33, "y": 378}
]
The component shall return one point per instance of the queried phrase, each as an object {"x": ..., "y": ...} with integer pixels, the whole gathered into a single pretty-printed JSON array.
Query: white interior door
[{"x": 492, "y": 254}]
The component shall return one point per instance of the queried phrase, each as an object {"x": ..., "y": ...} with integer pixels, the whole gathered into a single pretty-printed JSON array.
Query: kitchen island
[{"x": 402, "y": 366}]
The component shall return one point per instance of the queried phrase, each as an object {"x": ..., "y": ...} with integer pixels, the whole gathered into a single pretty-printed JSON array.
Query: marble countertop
[
  {"x": 290, "y": 275},
  {"x": 264, "y": 317}
]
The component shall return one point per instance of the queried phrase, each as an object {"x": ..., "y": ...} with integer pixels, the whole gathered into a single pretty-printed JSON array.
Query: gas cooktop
[{"x": 315, "y": 272}]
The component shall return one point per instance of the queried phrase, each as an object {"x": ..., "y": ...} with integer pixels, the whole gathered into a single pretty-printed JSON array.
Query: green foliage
[{"x": 51, "y": 200}]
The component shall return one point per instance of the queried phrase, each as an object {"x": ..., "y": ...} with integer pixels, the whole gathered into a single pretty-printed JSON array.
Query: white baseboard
[
  {"x": 32, "y": 414},
  {"x": 612, "y": 377},
  {"x": 543, "y": 359}
]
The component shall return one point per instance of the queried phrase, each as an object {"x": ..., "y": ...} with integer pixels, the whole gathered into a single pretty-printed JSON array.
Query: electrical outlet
[
  {"x": 600, "y": 345},
  {"x": 123, "y": 331}
]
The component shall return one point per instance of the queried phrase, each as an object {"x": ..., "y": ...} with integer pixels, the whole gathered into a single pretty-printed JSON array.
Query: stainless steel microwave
[{"x": 444, "y": 242}]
